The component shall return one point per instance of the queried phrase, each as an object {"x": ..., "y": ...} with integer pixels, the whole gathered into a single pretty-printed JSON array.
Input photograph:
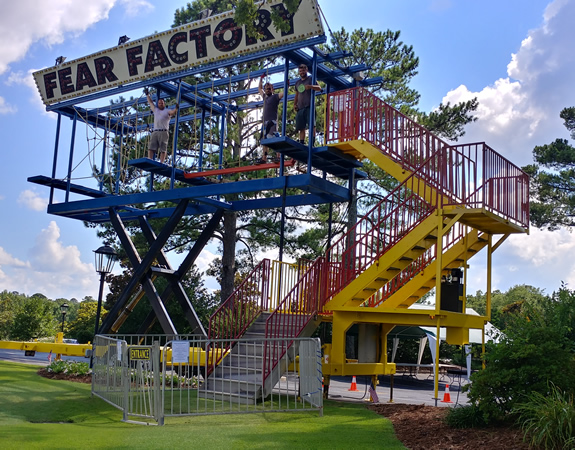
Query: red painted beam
[{"x": 208, "y": 173}]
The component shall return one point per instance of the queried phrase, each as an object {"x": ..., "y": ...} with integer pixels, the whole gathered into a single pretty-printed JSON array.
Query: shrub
[
  {"x": 537, "y": 349},
  {"x": 468, "y": 416},
  {"x": 548, "y": 420},
  {"x": 74, "y": 368}
]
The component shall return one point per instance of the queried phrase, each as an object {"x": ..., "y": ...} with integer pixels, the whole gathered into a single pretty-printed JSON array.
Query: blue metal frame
[{"x": 206, "y": 195}]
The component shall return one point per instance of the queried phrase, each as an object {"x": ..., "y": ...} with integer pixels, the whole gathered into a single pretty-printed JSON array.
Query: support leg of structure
[{"x": 142, "y": 267}]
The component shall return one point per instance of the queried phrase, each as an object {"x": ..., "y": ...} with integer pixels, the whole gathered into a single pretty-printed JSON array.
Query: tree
[
  {"x": 537, "y": 348},
  {"x": 503, "y": 304},
  {"x": 82, "y": 328},
  {"x": 34, "y": 319},
  {"x": 553, "y": 180},
  {"x": 10, "y": 303}
]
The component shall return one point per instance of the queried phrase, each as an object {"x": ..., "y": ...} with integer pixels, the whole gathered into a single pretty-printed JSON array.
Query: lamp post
[
  {"x": 63, "y": 310},
  {"x": 105, "y": 259}
]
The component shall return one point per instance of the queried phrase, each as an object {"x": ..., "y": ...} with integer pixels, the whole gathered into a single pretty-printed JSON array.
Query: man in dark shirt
[
  {"x": 302, "y": 102},
  {"x": 270, "y": 115}
]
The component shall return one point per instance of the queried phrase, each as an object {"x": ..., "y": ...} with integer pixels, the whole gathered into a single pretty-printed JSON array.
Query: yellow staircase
[{"x": 472, "y": 194}]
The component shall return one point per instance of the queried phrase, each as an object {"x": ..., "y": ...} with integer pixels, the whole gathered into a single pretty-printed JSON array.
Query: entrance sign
[
  {"x": 202, "y": 42},
  {"x": 139, "y": 353}
]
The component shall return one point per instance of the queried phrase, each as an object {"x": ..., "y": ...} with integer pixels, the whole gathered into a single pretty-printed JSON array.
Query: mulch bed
[
  {"x": 64, "y": 376},
  {"x": 421, "y": 427}
]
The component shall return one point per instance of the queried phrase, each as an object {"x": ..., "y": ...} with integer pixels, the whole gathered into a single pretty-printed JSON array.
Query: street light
[
  {"x": 64, "y": 310},
  {"x": 105, "y": 259}
]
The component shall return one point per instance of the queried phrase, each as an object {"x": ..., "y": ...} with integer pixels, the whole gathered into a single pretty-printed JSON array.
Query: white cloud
[
  {"x": 136, "y": 7},
  {"x": 542, "y": 248},
  {"x": 521, "y": 111},
  {"x": 8, "y": 260},
  {"x": 32, "y": 200},
  {"x": 204, "y": 259},
  {"x": 53, "y": 269},
  {"x": 28, "y": 21},
  {"x": 6, "y": 108}
]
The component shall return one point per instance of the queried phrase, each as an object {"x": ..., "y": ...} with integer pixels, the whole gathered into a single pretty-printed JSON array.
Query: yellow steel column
[
  {"x": 489, "y": 261},
  {"x": 439, "y": 261},
  {"x": 465, "y": 258},
  {"x": 436, "y": 368},
  {"x": 341, "y": 324}
]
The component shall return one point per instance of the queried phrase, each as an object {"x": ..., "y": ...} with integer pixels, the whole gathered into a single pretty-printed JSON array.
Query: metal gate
[
  {"x": 128, "y": 377},
  {"x": 152, "y": 377}
]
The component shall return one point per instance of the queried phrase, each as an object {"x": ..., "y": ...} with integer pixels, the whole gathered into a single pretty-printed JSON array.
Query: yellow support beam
[
  {"x": 47, "y": 347},
  {"x": 375, "y": 276}
]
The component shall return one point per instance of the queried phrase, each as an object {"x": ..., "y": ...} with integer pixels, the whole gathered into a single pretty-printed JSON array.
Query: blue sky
[{"x": 514, "y": 55}]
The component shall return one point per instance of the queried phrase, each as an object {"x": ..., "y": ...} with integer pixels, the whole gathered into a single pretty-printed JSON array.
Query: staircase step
[
  {"x": 240, "y": 398},
  {"x": 249, "y": 349},
  {"x": 234, "y": 386}
]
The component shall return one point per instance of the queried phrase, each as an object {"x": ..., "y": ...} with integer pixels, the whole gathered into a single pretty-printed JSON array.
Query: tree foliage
[
  {"x": 538, "y": 347},
  {"x": 34, "y": 318},
  {"x": 82, "y": 328},
  {"x": 553, "y": 180},
  {"x": 503, "y": 304}
]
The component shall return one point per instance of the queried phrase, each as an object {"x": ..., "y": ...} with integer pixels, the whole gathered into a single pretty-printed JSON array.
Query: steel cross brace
[
  {"x": 142, "y": 273},
  {"x": 174, "y": 277}
]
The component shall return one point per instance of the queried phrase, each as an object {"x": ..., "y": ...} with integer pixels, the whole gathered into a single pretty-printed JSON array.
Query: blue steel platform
[{"x": 330, "y": 159}]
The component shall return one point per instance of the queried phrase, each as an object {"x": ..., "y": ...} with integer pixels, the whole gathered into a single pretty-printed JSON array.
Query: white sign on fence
[
  {"x": 180, "y": 352},
  {"x": 205, "y": 41}
]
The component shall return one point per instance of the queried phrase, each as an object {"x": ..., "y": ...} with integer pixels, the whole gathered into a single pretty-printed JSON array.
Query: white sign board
[
  {"x": 180, "y": 352},
  {"x": 205, "y": 41}
]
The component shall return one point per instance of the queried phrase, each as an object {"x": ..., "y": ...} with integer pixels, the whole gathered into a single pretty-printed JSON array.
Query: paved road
[{"x": 40, "y": 359}]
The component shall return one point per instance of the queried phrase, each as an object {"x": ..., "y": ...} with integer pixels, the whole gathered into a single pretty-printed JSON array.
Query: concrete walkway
[{"x": 416, "y": 390}]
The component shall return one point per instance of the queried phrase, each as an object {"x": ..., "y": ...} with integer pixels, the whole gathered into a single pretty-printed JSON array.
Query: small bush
[
  {"x": 468, "y": 416},
  {"x": 548, "y": 420},
  {"x": 74, "y": 368}
]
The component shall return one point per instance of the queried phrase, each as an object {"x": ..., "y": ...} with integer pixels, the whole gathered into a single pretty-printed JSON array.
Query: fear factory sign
[{"x": 202, "y": 42}]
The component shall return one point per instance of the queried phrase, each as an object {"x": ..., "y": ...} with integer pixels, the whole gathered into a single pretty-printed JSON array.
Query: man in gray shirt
[
  {"x": 270, "y": 115},
  {"x": 159, "y": 139},
  {"x": 302, "y": 102}
]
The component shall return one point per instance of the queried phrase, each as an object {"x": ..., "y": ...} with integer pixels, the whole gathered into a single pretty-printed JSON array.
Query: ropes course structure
[{"x": 449, "y": 201}]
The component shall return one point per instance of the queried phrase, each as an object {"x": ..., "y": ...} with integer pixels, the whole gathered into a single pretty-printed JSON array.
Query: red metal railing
[
  {"x": 292, "y": 315},
  {"x": 452, "y": 237},
  {"x": 435, "y": 184},
  {"x": 470, "y": 175},
  {"x": 486, "y": 178},
  {"x": 238, "y": 312},
  {"x": 502, "y": 187},
  {"x": 358, "y": 114}
]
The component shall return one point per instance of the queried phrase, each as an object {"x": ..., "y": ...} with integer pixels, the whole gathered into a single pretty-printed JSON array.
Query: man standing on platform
[
  {"x": 302, "y": 103},
  {"x": 270, "y": 115},
  {"x": 159, "y": 138}
]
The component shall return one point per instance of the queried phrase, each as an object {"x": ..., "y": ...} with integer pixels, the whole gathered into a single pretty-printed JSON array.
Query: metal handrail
[
  {"x": 358, "y": 114},
  {"x": 240, "y": 310},
  {"x": 292, "y": 315}
]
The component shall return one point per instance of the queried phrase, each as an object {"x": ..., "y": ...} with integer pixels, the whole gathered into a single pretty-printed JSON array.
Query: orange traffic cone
[
  {"x": 446, "y": 395},
  {"x": 353, "y": 384}
]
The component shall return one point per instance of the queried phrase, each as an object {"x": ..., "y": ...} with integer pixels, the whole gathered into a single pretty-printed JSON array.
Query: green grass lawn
[{"x": 36, "y": 412}]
